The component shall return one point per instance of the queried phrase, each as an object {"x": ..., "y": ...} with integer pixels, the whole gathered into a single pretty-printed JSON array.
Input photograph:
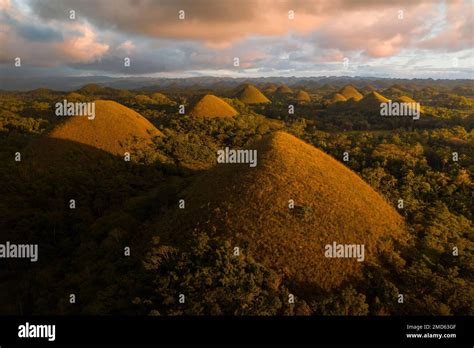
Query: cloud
[
  {"x": 218, "y": 23},
  {"x": 213, "y": 32},
  {"x": 82, "y": 48},
  {"x": 127, "y": 46},
  {"x": 29, "y": 31},
  {"x": 459, "y": 28},
  {"x": 374, "y": 27},
  {"x": 43, "y": 45},
  {"x": 4, "y": 4}
]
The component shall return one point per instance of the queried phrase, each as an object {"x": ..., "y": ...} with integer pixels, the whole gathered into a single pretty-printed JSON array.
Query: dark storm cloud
[{"x": 32, "y": 32}]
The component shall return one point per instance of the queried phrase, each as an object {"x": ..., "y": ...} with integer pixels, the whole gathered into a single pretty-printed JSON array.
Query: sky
[{"x": 183, "y": 38}]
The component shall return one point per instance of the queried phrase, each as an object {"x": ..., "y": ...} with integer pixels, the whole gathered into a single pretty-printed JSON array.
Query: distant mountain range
[{"x": 149, "y": 83}]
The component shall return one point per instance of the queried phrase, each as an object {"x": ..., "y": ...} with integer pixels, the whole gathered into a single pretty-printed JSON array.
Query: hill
[
  {"x": 338, "y": 97},
  {"x": 327, "y": 88},
  {"x": 371, "y": 102},
  {"x": 349, "y": 91},
  {"x": 160, "y": 98},
  {"x": 73, "y": 96},
  {"x": 408, "y": 100},
  {"x": 284, "y": 89},
  {"x": 212, "y": 106},
  {"x": 373, "y": 98},
  {"x": 92, "y": 89},
  {"x": 249, "y": 94},
  {"x": 270, "y": 88},
  {"x": 42, "y": 93},
  {"x": 115, "y": 129},
  {"x": 405, "y": 99},
  {"x": 303, "y": 97},
  {"x": 367, "y": 89},
  {"x": 144, "y": 99},
  {"x": 250, "y": 207},
  {"x": 393, "y": 92}
]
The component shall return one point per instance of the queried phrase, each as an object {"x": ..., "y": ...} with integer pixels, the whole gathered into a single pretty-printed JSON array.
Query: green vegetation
[
  {"x": 213, "y": 280},
  {"x": 135, "y": 204},
  {"x": 251, "y": 207}
]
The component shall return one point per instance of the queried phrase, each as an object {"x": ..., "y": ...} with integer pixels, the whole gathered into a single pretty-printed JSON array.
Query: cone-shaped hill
[
  {"x": 371, "y": 102},
  {"x": 270, "y": 88},
  {"x": 250, "y": 207},
  {"x": 367, "y": 89},
  {"x": 212, "y": 106},
  {"x": 115, "y": 129},
  {"x": 160, "y": 98},
  {"x": 408, "y": 100},
  {"x": 393, "y": 92},
  {"x": 302, "y": 97},
  {"x": 284, "y": 89},
  {"x": 92, "y": 89},
  {"x": 144, "y": 99},
  {"x": 338, "y": 97},
  {"x": 73, "y": 96},
  {"x": 327, "y": 88},
  {"x": 250, "y": 94},
  {"x": 350, "y": 91},
  {"x": 405, "y": 99}
]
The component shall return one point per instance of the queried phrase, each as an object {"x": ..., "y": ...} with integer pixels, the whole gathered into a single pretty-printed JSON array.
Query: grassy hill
[
  {"x": 250, "y": 94},
  {"x": 338, "y": 97},
  {"x": 302, "y": 97},
  {"x": 371, "y": 102},
  {"x": 350, "y": 91},
  {"x": 284, "y": 89},
  {"x": 115, "y": 129},
  {"x": 250, "y": 207},
  {"x": 212, "y": 106},
  {"x": 405, "y": 99},
  {"x": 92, "y": 89},
  {"x": 73, "y": 96},
  {"x": 160, "y": 98},
  {"x": 270, "y": 88},
  {"x": 367, "y": 89}
]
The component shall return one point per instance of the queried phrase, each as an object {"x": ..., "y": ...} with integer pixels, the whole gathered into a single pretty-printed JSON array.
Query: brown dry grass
[
  {"x": 252, "y": 95},
  {"x": 112, "y": 130},
  {"x": 303, "y": 96},
  {"x": 371, "y": 102},
  {"x": 160, "y": 98},
  {"x": 73, "y": 96},
  {"x": 212, "y": 106},
  {"x": 350, "y": 91},
  {"x": 250, "y": 207},
  {"x": 338, "y": 97},
  {"x": 270, "y": 88},
  {"x": 284, "y": 89},
  {"x": 405, "y": 99}
]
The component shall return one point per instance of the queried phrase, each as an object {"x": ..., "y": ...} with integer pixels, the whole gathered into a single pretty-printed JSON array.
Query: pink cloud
[
  {"x": 78, "y": 45},
  {"x": 377, "y": 32},
  {"x": 4, "y": 4},
  {"x": 127, "y": 46},
  {"x": 82, "y": 48},
  {"x": 459, "y": 32},
  {"x": 224, "y": 29},
  {"x": 385, "y": 48}
]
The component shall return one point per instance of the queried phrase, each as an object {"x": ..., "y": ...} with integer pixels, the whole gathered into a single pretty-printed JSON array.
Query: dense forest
[{"x": 424, "y": 168}]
